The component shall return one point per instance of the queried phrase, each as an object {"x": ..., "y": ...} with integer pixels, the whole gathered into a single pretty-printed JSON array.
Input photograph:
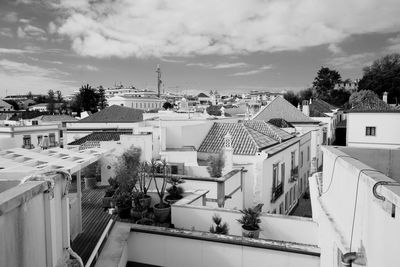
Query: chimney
[
  {"x": 228, "y": 153},
  {"x": 384, "y": 98},
  {"x": 306, "y": 108}
]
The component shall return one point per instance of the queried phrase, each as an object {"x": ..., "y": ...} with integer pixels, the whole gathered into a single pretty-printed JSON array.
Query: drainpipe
[{"x": 348, "y": 258}]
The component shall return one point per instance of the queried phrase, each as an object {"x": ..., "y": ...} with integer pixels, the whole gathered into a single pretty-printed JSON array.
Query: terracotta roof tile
[
  {"x": 373, "y": 105},
  {"x": 99, "y": 137},
  {"x": 115, "y": 114}
]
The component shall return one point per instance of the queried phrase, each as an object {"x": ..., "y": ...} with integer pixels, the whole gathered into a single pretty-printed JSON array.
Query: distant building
[
  {"x": 137, "y": 101},
  {"x": 348, "y": 85},
  {"x": 4, "y": 106},
  {"x": 373, "y": 123},
  {"x": 43, "y": 107},
  {"x": 203, "y": 99}
]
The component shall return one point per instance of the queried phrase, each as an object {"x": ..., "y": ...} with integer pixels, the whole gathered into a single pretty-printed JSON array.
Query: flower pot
[
  {"x": 250, "y": 233},
  {"x": 107, "y": 202},
  {"x": 124, "y": 212},
  {"x": 171, "y": 200},
  {"x": 145, "y": 202},
  {"x": 90, "y": 182},
  {"x": 137, "y": 214},
  {"x": 162, "y": 214},
  {"x": 145, "y": 221}
]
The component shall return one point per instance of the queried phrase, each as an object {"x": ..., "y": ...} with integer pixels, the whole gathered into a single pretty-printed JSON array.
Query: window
[
  {"x": 27, "y": 140},
  {"x": 287, "y": 201},
  {"x": 174, "y": 169},
  {"x": 39, "y": 139},
  {"x": 277, "y": 184},
  {"x": 301, "y": 159},
  {"x": 34, "y": 122},
  {"x": 274, "y": 211},
  {"x": 293, "y": 160},
  {"x": 308, "y": 153},
  {"x": 52, "y": 139},
  {"x": 281, "y": 208},
  {"x": 370, "y": 131},
  {"x": 283, "y": 173}
]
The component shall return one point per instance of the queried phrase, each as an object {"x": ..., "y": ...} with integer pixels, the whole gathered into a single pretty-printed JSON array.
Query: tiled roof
[
  {"x": 281, "y": 108},
  {"x": 281, "y": 123},
  {"x": 115, "y": 114},
  {"x": 248, "y": 137},
  {"x": 55, "y": 118},
  {"x": 4, "y": 104},
  {"x": 318, "y": 108},
  {"x": 99, "y": 136},
  {"x": 373, "y": 105},
  {"x": 202, "y": 95}
]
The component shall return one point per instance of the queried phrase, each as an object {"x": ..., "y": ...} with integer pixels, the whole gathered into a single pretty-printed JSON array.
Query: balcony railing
[
  {"x": 294, "y": 174},
  {"x": 28, "y": 146},
  {"x": 277, "y": 192}
]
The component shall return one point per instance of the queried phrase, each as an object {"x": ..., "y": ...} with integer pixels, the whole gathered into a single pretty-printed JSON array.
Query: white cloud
[
  {"x": 356, "y": 61},
  {"x": 334, "y": 48},
  {"x": 253, "y": 72},
  {"x": 17, "y": 76},
  {"x": 87, "y": 67},
  {"x": 25, "y": 21},
  {"x": 394, "y": 45},
  {"x": 7, "y": 32},
  {"x": 10, "y": 17},
  {"x": 30, "y": 31},
  {"x": 13, "y": 51},
  {"x": 147, "y": 28},
  {"x": 219, "y": 65}
]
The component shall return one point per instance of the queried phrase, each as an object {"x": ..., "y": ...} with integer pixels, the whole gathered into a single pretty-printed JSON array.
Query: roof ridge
[{"x": 251, "y": 136}]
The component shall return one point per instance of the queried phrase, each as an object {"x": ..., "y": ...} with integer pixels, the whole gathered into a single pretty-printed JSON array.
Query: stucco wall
[{"x": 387, "y": 130}]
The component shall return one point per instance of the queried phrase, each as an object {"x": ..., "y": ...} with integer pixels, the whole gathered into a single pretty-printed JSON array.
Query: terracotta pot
[
  {"x": 250, "y": 233},
  {"x": 171, "y": 200},
  {"x": 90, "y": 182},
  {"x": 124, "y": 212},
  {"x": 145, "y": 202},
  {"x": 107, "y": 202},
  {"x": 162, "y": 214},
  {"x": 136, "y": 214},
  {"x": 145, "y": 221}
]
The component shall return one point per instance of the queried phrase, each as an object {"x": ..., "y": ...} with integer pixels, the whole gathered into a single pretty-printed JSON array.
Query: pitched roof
[
  {"x": 242, "y": 109},
  {"x": 281, "y": 108},
  {"x": 248, "y": 137},
  {"x": 99, "y": 137},
  {"x": 4, "y": 104},
  {"x": 373, "y": 104},
  {"x": 55, "y": 118},
  {"x": 281, "y": 123},
  {"x": 115, "y": 114},
  {"x": 202, "y": 95},
  {"x": 319, "y": 107}
]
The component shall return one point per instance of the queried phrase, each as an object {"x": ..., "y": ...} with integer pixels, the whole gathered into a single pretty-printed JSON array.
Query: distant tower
[{"x": 158, "y": 80}]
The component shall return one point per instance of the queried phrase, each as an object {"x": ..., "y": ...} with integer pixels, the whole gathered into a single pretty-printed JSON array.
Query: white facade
[
  {"x": 31, "y": 136},
  {"x": 145, "y": 103},
  {"x": 350, "y": 216},
  {"x": 385, "y": 135}
]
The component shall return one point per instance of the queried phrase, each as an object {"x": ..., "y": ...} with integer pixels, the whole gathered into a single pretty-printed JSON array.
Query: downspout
[{"x": 348, "y": 258}]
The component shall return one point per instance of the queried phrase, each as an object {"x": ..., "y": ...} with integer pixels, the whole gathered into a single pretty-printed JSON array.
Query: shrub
[
  {"x": 216, "y": 165},
  {"x": 220, "y": 228},
  {"x": 251, "y": 217}
]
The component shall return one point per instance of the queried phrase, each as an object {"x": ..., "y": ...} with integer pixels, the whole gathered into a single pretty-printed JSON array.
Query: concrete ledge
[{"x": 291, "y": 247}]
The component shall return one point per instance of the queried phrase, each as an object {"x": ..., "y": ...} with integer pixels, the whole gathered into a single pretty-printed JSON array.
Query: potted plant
[
  {"x": 175, "y": 192},
  {"x": 220, "y": 228},
  {"x": 250, "y": 220},
  {"x": 162, "y": 210},
  {"x": 138, "y": 210},
  {"x": 123, "y": 201},
  {"x": 215, "y": 165},
  {"x": 91, "y": 174},
  {"x": 144, "y": 180},
  {"x": 108, "y": 199}
]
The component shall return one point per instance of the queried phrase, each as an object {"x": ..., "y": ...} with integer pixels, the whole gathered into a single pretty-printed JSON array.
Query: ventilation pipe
[
  {"x": 385, "y": 96},
  {"x": 306, "y": 108}
]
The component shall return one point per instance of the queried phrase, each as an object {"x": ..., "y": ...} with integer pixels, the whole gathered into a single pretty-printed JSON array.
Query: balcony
[
  {"x": 277, "y": 192},
  {"x": 28, "y": 146},
  {"x": 294, "y": 174}
]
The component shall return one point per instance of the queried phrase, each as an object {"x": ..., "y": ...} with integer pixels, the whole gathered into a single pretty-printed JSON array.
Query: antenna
[{"x": 158, "y": 79}]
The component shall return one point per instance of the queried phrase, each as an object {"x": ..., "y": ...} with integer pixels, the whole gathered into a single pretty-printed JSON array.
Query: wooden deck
[{"x": 94, "y": 221}]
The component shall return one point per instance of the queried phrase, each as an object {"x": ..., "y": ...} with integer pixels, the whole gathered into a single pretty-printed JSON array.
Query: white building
[
  {"x": 4, "y": 106},
  {"x": 137, "y": 101},
  {"x": 355, "y": 201},
  {"x": 373, "y": 124}
]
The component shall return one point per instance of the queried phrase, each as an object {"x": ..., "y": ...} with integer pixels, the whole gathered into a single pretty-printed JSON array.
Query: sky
[{"x": 224, "y": 45}]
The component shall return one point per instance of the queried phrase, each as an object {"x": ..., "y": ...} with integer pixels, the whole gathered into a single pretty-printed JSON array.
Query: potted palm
[
  {"x": 144, "y": 180},
  {"x": 220, "y": 228},
  {"x": 250, "y": 220},
  {"x": 175, "y": 192},
  {"x": 162, "y": 210},
  {"x": 138, "y": 210},
  {"x": 123, "y": 201}
]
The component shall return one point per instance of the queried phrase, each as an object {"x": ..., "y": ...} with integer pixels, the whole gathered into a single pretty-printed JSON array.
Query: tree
[
  {"x": 325, "y": 82},
  {"x": 50, "y": 101},
  {"x": 214, "y": 110},
  {"x": 102, "y": 98},
  {"x": 292, "y": 98},
  {"x": 359, "y": 97},
  {"x": 29, "y": 95},
  {"x": 167, "y": 105},
  {"x": 88, "y": 98},
  {"x": 305, "y": 94},
  {"x": 339, "y": 97},
  {"x": 383, "y": 76}
]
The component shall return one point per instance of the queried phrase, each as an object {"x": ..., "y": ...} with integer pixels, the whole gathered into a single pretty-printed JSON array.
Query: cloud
[
  {"x": 356, "y": 61},
  {"x": 220, "y": 65},
  {"x": 87, "y": 67},
  {"x": 26, "y": 21},
  {"x": 253, "y": 72},
  {"x": 30, "y": 31},
  {"x": 7, "y": 32},
  {"x": 334, "y": 48},
  {"x": 152, "y": 28},
  {"x": 394, "y": 45},
  {"x": 17, "y": 76},
  {"x": 10, "y": 17},
  {"x": 13, "y": 51},
  {"x": 172, "y": 60}
]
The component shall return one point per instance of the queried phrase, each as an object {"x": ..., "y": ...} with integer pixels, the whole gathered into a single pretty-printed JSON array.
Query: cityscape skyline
[{"x": 62, "y": 45}]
